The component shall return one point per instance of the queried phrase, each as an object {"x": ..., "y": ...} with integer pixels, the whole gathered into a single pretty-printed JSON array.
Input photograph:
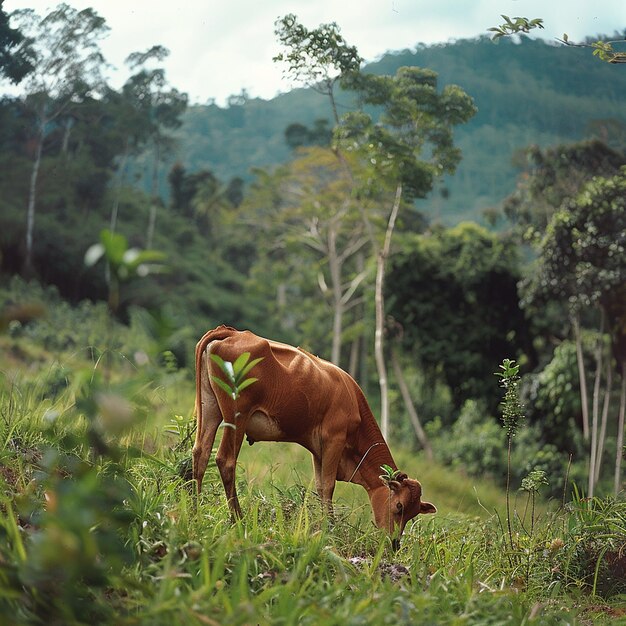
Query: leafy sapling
[
  {"x": 388, "y": 473},
  {"x": 512, "y": 415},
  {"x": 236, "y": 380}
]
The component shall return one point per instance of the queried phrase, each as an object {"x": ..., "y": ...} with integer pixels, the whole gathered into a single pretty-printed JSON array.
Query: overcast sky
[{"x": 220, "y": 47}]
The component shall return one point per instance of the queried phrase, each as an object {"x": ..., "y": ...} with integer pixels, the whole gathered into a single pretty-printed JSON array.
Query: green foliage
[
  {"x": 388, "y": 473},
  {"x": 441, "y": 288},
  {"x": 123, "y": 263},
  {"x": 514, "y": 26},
  {"x": 512, "y": 409},
  {"x": 582, "y": 253},
  {"x": 597, "y": 528},
  {"x": 554, "y": 398},
  {"x": 96, "y": 526},
  {"x": 602, "y": 49},
  {"x": 552, "y": 176},
  {"x": 14, "y": 65},
  {"x": 317, "y": 56},
  {"x": 235, "y": 373},
  {"x": 472, "y": 444},
  {"x": 410, "y": 141}
]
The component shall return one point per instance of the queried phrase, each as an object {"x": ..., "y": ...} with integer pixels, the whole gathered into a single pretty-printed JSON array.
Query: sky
[{"x": 219, "y": 48}]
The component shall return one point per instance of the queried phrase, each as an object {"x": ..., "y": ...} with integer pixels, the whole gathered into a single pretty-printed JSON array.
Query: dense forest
[{"x": 424, "y": 222}]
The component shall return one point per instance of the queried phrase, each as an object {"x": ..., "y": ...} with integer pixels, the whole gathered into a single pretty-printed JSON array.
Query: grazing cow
[{"x": 303, "y": 399}]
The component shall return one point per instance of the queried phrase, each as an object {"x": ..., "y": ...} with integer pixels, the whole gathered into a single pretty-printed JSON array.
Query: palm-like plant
[{"x": 123, "y": 263}]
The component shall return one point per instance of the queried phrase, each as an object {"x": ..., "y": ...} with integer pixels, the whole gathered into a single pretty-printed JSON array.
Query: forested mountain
[{"x": 531, "y": 92}]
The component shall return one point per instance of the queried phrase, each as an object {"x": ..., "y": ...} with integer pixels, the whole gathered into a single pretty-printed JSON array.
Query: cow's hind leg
[
  {"x": 226, "y": 460},
  {"x": 209, "y": 418}
]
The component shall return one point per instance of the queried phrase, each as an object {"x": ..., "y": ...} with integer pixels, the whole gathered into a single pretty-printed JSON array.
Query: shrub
[{"x": 474, "y": 444}]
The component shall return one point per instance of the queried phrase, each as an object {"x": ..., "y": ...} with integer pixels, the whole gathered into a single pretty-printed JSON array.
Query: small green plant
[
  {"x": 388, "y": 473},
  {"x": 236, "y": 372},
  {"x": 123, "y": 263},
  {"x": 531, "y": 483},
  {"x": 512, "y": 415}
]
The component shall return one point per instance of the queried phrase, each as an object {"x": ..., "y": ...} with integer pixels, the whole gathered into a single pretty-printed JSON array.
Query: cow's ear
[
  {"x": 394, "y": 485},
  {"x": 401, "y": 477},
  {"x": 427, "y": 507}
]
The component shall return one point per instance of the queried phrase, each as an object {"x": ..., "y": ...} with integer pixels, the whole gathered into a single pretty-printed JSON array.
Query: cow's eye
[{"x": 400, "y": 507}]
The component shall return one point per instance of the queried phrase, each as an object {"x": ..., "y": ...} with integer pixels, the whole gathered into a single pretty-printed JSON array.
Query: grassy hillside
[
  {"x": 99, "y": 524},
  {"x": 527, "y": 93}
]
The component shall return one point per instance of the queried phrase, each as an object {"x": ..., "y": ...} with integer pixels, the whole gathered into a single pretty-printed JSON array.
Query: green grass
[{"x": 97, "y": 525}]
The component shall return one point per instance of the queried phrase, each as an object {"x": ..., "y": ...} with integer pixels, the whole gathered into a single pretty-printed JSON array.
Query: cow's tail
[
  {"x": 221, "y": 332},
  {"x": 200, "y": 455}
]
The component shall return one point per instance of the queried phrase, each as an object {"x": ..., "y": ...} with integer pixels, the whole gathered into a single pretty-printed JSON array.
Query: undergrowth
[{"x": 99, "y": 524}]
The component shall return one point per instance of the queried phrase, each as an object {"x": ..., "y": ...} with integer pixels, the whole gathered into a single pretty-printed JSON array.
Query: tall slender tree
[
  {"x": 402, "y": 153},
  {"x": 67, "y": 68},
  {"x": 161, "y": 106}
]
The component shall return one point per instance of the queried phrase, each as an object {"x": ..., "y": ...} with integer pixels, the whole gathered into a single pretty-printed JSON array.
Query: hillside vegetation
[
  {"x": 531, "y": 92},
  {"x": 99, "y": 523}
]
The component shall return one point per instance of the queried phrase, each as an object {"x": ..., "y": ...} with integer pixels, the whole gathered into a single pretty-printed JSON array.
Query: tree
[
  {"x": 318, "y": 58},
  {"x": 583, "y": 263},
  {"x": 550, "y": 176},
  {"x": 602, "y": 49},
  {"x": 67, "y": 65},
  {"x": 133, "y": 115},
  {"x": 161, "y": 109},
  {"x": 298, "y": 135},
  {"x": 401, "y": 154},
  {"x": 453, "y": 291},
  {"x": 15, "y": 56},
  {"x": 314, "y": 221},
  {"x": 398, "y": 156}
]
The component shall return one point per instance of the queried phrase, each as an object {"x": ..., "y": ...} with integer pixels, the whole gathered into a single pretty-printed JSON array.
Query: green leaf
[
  {"x": 240, "y": 362},
  {"x": 115, "y": 246},
  {"x": 246, "y": 383},
  {"x": 224, "y": 386},
  {"x": 250, "y": 365},
  {"x": 216, "y": 358}
]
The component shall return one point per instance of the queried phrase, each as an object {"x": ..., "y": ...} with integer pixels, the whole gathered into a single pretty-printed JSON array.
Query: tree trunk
[
  {"x": 582, "y": 376},
  {"x": 334, "y": 265},
  {"x": 32, "y": 200},
  {"x": 595, "y": 408},
  {"x": 605, "y": 416},
  {"x": 620, "y": 430},
  {"x": 379, "y": 351},
  {"x": 154, "y": 193},
  {"x": 118, "y": 188},
  {"x": 410, "y": 407}
]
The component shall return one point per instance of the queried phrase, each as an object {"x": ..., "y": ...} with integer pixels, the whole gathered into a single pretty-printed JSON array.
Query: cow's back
[{"x": 296, "y": 390}]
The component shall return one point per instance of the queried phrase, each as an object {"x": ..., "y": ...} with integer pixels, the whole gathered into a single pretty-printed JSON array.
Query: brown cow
[{"x": 303, "y": 399}]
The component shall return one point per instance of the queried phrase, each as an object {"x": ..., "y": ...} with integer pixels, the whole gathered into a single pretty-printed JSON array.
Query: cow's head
[{"x": 395, "y": 502}]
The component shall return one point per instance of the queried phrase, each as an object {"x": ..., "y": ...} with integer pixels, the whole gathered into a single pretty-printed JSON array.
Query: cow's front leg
[
  {"x": 326, "y": 469},
  {"x": 327, "y": 505},
  {"x": 226, "y": 460}
]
